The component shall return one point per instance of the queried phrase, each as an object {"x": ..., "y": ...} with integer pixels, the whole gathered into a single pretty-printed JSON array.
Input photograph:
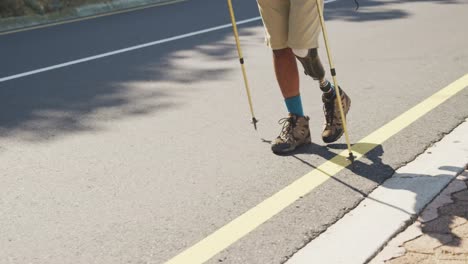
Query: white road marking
[{"x": 115, "y": 52}]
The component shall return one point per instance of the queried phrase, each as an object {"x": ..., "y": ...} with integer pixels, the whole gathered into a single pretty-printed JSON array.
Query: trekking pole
[
  {"x": 333, "y": 74},
  {"x": 241, "y": 60}
]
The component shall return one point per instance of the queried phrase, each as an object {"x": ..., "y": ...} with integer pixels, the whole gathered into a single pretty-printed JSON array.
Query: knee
[
  {"x": 301, "y": 53},
  {"x": 312, "y": 65}
]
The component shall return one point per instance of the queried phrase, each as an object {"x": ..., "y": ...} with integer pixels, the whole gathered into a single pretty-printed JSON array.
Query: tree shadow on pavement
[
  {"x": 87, "y": 96},
  {"x": 450, "y": 214},
  {"x": 445, "y": 222},
  {"x": 374, "y": 10}
]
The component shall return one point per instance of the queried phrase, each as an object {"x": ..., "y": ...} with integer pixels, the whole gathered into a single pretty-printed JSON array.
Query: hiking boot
[
  {"x": 295, "y": 132},
  {"x": 333, "y": 128}
]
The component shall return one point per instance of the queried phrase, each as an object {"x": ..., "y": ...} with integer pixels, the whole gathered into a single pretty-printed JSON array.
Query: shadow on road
[
  {"x": 86, "y": 96},
  {"x": 374, "y": 10},
  {"x": 378, "y": 172}
]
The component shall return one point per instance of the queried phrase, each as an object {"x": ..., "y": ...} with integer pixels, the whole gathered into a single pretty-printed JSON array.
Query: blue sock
[{"x": 294, "y": 105}]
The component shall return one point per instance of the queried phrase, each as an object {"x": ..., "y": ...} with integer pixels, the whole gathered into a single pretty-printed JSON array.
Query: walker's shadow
[{"x": 378, "y": 172}]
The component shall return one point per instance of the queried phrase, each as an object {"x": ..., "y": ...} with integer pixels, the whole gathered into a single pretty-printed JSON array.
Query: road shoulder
[
  {"x": 388, "y": 210},
  {"x": 23, "y": 23}
]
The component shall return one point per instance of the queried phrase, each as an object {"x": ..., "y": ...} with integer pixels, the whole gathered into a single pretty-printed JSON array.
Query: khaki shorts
[{"x": 291, "y": 23}]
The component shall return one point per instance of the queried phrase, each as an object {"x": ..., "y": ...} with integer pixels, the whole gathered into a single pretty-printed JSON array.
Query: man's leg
[
  {"x": 295, "y": 131},
  {"x": 333, "y": 129},
  {"x": 286, "y": 72},
  {"x": 313, "y": 67},
  {"x": 304, "y": 31},
  {"x": 288, "y": 79}
]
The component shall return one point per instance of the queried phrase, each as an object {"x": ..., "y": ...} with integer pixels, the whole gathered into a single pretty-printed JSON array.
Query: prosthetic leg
[{"x": 313, "y": 67}]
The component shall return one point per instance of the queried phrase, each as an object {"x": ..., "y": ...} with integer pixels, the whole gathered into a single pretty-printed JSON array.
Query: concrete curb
[
  {"x": 398, "y": 247},
  {"x": 362, "y": 233},
  {"x": 16, "y": 24}
]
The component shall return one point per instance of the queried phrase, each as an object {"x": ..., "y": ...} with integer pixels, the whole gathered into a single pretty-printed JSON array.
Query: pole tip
[
  {"x": 351, "y": 158},
  {"x": 254, "y": 122}
]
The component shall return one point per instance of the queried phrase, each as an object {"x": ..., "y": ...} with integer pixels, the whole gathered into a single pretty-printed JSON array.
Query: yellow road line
[
  {"x": 247, "y": 222},
  {"x": 91, "y": 17}
]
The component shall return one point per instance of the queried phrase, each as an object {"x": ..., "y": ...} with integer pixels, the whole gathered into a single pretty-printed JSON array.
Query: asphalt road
[{"x": 133, "y": 158}]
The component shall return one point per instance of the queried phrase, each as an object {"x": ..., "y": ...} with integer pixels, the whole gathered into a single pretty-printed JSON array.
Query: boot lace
[
  {"x": 329, "y": 111},
  {"x": 287, "y": 130}
]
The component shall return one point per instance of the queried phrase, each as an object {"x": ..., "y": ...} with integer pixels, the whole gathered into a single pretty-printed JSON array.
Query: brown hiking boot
[
  {"x": 295, "y": 132},
  {"x": 333, "y": 129}
]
